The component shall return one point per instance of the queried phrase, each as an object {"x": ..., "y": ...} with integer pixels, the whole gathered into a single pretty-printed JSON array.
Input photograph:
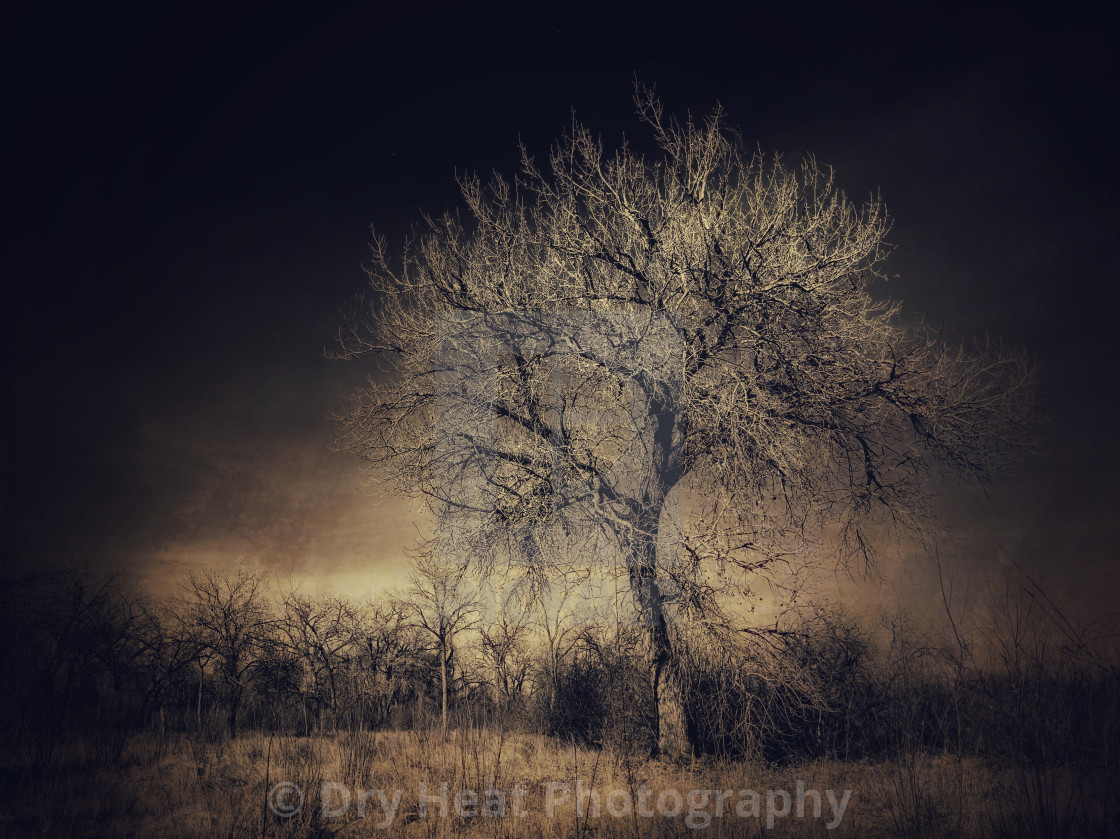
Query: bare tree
[
  {"x": 68, "y": 634},
  {"x": 167, "y": 652},
  {"x": 320, "y": 633},
  {"x": 676, "y": 362},
  {"x": 230, "y": 619},
  {"x": 561, "y": 631},
  {"x": 386, "y": 666},
  {"x": 438, "y": 604},
  {"x": 505, "y": 639}
]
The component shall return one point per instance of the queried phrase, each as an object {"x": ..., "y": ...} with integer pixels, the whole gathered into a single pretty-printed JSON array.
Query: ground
[{"x": 511, "y": 784}]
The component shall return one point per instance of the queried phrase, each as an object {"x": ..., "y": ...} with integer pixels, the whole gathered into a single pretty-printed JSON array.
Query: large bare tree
[{"x": 675, "y": 362}]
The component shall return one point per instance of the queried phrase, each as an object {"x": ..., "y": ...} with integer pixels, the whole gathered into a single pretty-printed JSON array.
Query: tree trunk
[
  {"x": 443, "y": 684},
  {"x": 234, "y": 702},
  {"x": 674, "y": 731}
]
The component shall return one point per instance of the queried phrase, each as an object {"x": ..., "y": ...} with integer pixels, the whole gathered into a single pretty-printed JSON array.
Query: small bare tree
[
  {"x": 386, "y": 665},
  {"x": 505, "y": 647},
  {"x": 230, "y": 620},
  {"x": 319, "y": 633},
  {"x": 438, "y": 604},
  {"x": 675, "y": 361},
  {"x": 561, "y": 631}
]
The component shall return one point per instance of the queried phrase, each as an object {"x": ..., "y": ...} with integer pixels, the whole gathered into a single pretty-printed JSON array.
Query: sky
[{"x": 190, "y": 188}]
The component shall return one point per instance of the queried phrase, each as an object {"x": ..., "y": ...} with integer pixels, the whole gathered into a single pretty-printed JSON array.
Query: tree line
[{"x": 231, "y": 652}]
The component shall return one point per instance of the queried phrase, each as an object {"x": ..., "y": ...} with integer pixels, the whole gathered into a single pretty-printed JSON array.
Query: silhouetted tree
[
  {"x": 676, "y": 360},
  {"x": 387, "y": 666},
  {"x": 438, "y": 604},
  {"x": 505, "y": 639},
  {"x": 319, "y": 632},
  {"x": 230, "y": 619}
]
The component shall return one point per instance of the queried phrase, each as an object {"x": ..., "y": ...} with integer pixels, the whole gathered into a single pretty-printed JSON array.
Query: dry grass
[{"x": 190, "y": 788}]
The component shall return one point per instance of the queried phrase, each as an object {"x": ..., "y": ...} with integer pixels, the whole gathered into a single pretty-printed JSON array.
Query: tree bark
[
  {"x": 674, "y": 732},
  {"x": 676, "y": 728},
  {"x": 198, "y": 706},
  {"x": 235, "y": 701},
  {"x": 443, "y": 684}
]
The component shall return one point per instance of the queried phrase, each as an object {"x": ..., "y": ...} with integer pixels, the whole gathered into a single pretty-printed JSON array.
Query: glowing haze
[{"x": 193, "y": 208}]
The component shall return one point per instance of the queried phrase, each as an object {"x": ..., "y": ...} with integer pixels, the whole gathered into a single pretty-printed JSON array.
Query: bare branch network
[
  {"x": 594, "y": 339},
  {"x": 676, "y": 362}
]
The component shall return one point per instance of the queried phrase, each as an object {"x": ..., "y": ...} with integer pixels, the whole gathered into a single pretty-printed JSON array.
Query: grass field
[{"x": 363, "y": 784}]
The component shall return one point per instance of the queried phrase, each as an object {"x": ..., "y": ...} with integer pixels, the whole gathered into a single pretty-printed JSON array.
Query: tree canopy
[{"x": 677, "y": 360}]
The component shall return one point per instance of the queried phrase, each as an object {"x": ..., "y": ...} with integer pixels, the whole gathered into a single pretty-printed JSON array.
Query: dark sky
[{"x": 190, "y": 187}]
